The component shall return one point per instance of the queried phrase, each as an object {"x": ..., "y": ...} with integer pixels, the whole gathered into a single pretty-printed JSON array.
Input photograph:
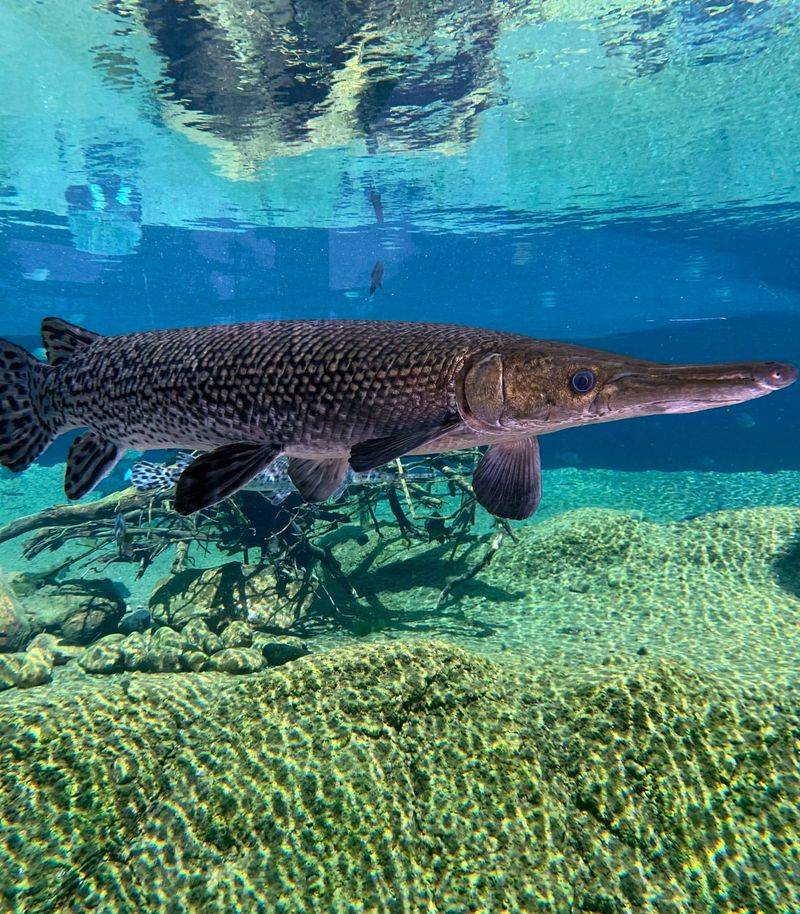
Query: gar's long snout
[{"x": 655, "y": 388}]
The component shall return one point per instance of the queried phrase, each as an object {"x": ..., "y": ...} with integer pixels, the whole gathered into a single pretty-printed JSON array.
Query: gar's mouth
[{"x": 694, "y": 388}]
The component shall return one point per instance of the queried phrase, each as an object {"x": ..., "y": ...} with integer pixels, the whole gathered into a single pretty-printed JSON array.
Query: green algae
[{"x": 400, "y": 778}]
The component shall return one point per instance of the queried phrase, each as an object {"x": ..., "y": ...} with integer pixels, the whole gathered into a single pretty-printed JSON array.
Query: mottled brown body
[
  {"x": 329, "y": 393},
  {"x": 314, "y": 387}
]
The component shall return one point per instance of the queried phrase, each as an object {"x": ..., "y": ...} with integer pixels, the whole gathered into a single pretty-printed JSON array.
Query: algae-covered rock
[
  {"x": 195, "y": 661},
  {"x": 9, "y": 670},
  {"x": 200, "y": 637},
  {"x": 229, "y": 592},
  {"x": 57, "y": 650},
  {"x": 236, "y": 660},
  {"x": 134, "y": 650},
  {"x": 36, "y": 669},
  {"x": 409, "y": 778},
  {"x": 80, "y": 611},
  {"x": 237, "y": 634},
  {"x": 106, "y": 656},
  {"x": 163, "y": 660},
  {"x": 14, "y": 626}
]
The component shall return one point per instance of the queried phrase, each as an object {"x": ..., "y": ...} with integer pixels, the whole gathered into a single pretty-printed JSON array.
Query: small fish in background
[
  {"x": 376, "y": 278},
  {"x": 121, "y": 535},
  {"x": 377, "y": 205},
  {"x": 146, "y": 476},
  {"x": 275, "y": 483}
]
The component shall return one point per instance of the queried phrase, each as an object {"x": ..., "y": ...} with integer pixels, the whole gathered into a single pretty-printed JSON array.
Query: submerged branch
[
  {"x": 71, "y": 515},
  {"x": 483, "y": 561}
]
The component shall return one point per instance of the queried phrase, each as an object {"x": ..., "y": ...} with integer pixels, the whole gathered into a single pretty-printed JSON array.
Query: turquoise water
[{"x": 607, "y": 719}]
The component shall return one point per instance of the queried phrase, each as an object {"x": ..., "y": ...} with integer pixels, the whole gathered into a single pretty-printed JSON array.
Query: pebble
[
  {"x": 200, "y": 637},
  {"x": 167, "y": 639},
  {"x": 134, "y": 651},
  {"x": 163, "y": 660},
  {"x": 195, "y": 661}
]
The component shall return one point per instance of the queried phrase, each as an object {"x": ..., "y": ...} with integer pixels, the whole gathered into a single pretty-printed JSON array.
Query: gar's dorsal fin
[{"x": 62, "y": 340}]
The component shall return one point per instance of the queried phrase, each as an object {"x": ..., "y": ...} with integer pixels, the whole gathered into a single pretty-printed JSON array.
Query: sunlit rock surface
[{"x": 400, "y": 778}]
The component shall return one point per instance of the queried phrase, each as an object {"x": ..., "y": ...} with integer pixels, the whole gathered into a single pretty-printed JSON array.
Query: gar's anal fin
[
  {"x": 317, "y": 480},
  {"x": 220, "y": 473},
  {"x": 508, "y": 479}
]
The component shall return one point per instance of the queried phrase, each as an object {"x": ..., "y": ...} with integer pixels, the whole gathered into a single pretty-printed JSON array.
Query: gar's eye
[{"x": 583, "y": 381}]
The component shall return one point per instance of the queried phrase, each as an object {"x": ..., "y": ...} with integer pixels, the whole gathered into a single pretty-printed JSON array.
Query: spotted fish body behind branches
[
  {"x": 333, "y": 394},
  {"x": 274, "y": 482}
]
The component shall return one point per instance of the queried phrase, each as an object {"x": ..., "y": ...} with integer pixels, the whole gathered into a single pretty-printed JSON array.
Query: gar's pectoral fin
[
  {"x": 91, "y": 458},
  {"x": 378, "y": 451},
  {"x": 508, "y": 479},
  {"x": 317, "y": 480},
  {"x": 220, "y": 473}
]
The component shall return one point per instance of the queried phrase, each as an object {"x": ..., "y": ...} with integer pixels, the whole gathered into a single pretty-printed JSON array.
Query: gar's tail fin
[{"x": 23, "y": 435}]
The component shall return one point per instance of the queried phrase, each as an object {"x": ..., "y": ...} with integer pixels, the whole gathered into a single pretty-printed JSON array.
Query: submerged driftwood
[
  {"x": 80, "y": 512},
  {"x": 300, "y": 542}
]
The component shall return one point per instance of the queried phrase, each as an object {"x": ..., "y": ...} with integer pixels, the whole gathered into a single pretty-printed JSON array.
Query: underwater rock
[
  {"x": 80, "y": 611},
  {"x": 166, "y": 638},
  {"x": 236, "y": 660},
  {"x": 165, "y": 651},
  {"x": 163, "y": 660},
  {"x": 23, "y": 583},
  {"x": 135, "y": 620},
  {"x": 237, "y": 634},
  {"x": 229, "y": 592},
  {"x": 14, "y": 626},
  {"x": 9, "y": 670},
  {"x": 200, "y": 637},
  {"x": 419, "y": 770},
  {"x": 135, "y": 648},
  {"x": 58, "y": 652},
  {"x": 36, "y": 669},
  {"x": 278, "y": 649},
  {"x": 195, "y": 661},
  {"x": 106, "y": 656}
]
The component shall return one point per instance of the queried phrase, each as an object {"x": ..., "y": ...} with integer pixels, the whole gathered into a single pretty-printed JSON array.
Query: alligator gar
[{"x": 329, "y": 394}]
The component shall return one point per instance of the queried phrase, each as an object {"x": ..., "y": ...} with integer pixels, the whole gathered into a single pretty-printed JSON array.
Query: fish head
[{"x": 546, "y": 387}]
